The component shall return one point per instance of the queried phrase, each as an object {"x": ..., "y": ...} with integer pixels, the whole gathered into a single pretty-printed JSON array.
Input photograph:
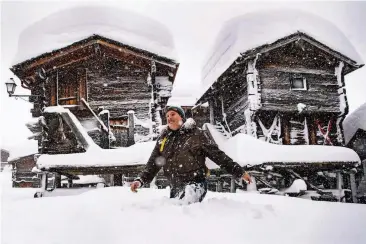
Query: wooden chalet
[
  {"x": 107, "y": 75},
  {"x": 290, "y": 91},
  {"x": 267, "y": 79},
  {"x": 22, "y": 175}
]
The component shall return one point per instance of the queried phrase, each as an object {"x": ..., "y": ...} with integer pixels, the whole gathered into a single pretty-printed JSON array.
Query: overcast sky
[{"x": 194, "y": 26}]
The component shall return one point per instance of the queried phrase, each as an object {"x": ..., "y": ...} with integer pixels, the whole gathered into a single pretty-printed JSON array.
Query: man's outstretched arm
[
  {"x": 150, "y": 171},
  {"x": 213, "y": 152}
]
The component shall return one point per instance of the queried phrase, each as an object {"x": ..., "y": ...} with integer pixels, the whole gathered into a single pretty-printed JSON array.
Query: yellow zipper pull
[{"x": 162, "y": 144}]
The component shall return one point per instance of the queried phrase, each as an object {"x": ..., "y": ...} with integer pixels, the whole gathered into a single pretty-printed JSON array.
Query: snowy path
[{"x": 116, "y": 215}]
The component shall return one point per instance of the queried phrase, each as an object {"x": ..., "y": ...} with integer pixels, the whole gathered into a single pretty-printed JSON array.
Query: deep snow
[{"x": 116, "y": 215}]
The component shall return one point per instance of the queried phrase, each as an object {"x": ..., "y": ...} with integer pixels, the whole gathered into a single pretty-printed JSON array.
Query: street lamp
[{"x": 10, "y": 88}]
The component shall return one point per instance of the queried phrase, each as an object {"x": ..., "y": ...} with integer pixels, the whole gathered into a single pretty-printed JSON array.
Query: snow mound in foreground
[{"x": 116, "y": 215}]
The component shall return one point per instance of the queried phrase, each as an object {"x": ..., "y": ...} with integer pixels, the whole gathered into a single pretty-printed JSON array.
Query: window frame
[{"x": 305, "y": 87}]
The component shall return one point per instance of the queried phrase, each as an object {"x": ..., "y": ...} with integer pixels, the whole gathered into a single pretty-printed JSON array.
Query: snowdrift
[
  {"x": 115, "y": 215},
  {"x": 71, "y": 25}
]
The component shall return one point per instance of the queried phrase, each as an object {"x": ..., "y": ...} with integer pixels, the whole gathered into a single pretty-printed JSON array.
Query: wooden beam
[
  {"x": 80, "y": 55},
  {"x": 301, "y": 70},
  {"x": 59, "y": 54},
  {"x": 127, "y": 51}
]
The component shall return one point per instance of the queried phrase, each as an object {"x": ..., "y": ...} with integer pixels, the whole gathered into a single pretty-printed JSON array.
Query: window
[{"x": 298, "y": 83}]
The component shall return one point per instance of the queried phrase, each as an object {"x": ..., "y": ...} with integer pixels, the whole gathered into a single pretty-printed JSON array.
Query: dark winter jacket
[{"x": 182, "y": 156}]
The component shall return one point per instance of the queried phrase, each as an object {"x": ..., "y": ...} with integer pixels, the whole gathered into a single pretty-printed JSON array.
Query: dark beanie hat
[{"x": 177, "y": 109}]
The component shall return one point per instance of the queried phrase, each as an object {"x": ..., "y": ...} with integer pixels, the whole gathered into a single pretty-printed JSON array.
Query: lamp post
[{"x": 10, "y": 88}]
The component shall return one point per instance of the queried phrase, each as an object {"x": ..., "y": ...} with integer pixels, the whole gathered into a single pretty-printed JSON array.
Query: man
[{"x": 181, "y": 151}]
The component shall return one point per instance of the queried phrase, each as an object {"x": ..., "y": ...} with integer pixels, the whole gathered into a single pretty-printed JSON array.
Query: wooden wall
[
  {"x": 298, "y": 59},
  {"x": 321, "y": 94},
  {"x": 113, "y": 84}
]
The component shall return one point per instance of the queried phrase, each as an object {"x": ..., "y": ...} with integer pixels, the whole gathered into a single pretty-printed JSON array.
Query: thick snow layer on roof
[
  {"x": 246, "y": 149},
  {"x": 353, "y": 122},
  {"x": 182, "y": 101},
  {"x": 24, "y": 148},
  {"x": 252, "y": 30},
  {"x": 133, "y": 155},
  {"x": 68, "y": 26},
  {"x": 87, "y": 179}
]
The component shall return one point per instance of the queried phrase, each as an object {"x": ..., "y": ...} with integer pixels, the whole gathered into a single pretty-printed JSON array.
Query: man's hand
[
  {"x": 136, "y": 184},
  {"x": 246, "y": 178}
]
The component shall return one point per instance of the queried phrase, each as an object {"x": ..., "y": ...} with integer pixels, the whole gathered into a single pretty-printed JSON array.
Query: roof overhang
[{"x": 83, "y": 50}]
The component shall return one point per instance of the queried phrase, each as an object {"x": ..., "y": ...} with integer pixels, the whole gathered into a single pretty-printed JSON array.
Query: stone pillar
[
  {"x": 131, "y": 128},
  {"x": 111, "y": 179},
  {"x": 339, "y": 184},
  {"x": 353, "y": 186},
  {"x": 219, "y": 185},
  {"x": 57, "y": 180},
  {"x": 105, "y": 139},
  {"x": 232, "y": 185}
]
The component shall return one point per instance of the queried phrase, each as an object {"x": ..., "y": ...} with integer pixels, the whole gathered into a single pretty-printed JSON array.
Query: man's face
[{"x": 174, "y": 120}]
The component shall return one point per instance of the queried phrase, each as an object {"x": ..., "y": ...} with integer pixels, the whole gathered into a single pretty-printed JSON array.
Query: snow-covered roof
[
  {"x": 252, "y": 30},
  {"x": 87, "y": 179},
  {"x": 134, "y": 155},
  {"x": 182, "y": 101},
  {"x": 22, "y": 149},
  {"x": 354, "y": 121},
  {"x": 71, "y": 25},
  {"x": 246, "y": 149}
]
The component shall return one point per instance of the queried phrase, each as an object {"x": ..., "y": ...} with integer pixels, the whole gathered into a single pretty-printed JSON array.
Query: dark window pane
[{"x": 298, "y": 83}]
